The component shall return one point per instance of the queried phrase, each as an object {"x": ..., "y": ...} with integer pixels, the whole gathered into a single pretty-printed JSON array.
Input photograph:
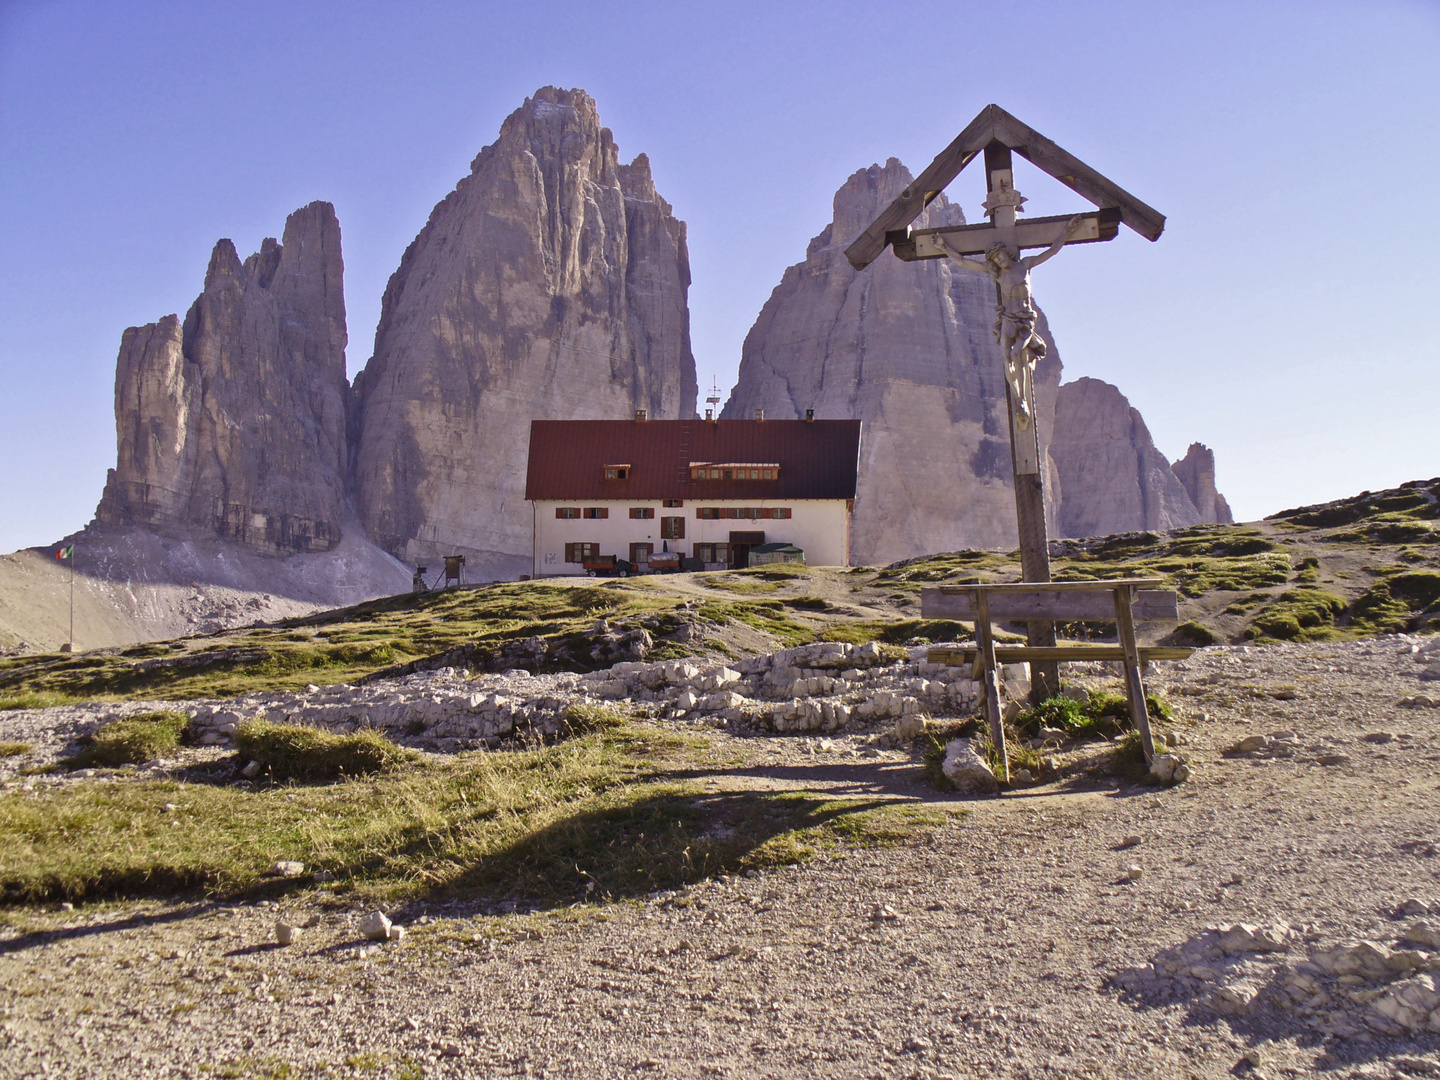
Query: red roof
[{"x": 818, "y": 459}]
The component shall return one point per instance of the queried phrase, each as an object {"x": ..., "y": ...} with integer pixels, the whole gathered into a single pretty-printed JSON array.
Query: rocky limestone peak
[
  {"x": 1196, "y": 471},
  {"x": 550, "y": 284},
  {"x": 232, "y": 424},
  {"x": 1111, "y": 477},
  {"x": 908, "y": 349}
]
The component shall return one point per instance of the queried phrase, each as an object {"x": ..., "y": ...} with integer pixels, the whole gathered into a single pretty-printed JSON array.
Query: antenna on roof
[{"x": 714, "y": 398}]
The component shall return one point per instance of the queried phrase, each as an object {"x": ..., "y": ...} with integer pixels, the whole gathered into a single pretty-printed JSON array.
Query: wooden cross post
[
  {"x": 995, "y": 133},
  {"x": 1025, "y": 446}
]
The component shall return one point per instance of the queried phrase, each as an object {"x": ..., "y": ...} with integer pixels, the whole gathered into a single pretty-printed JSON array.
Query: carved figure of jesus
[{"x": 1020, "y": 343}]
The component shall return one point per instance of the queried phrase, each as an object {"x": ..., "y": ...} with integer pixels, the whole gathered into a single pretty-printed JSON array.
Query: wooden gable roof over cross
[{"x": 996, "y": 133}]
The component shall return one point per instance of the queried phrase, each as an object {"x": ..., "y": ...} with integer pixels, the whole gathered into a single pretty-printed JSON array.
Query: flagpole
[{"x": 72, "y": 598}]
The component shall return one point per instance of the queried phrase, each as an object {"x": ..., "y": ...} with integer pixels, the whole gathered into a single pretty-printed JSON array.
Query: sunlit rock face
[
  {"x": 233, "y": 423},
  {"x": 1112, "y": 479},
  {"x": 1196, "y": 471},
  {"x": 909, "y": 349},
  {"x": 551, "y": 283}
]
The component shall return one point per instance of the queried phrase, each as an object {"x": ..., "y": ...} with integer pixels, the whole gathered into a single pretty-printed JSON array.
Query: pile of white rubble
[
  {"x": 1241, "y": 970},
  {"x": 825, "y": 687}
]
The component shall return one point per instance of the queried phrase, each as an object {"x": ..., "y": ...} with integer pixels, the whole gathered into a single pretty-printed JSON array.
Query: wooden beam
[
  {"x": 1045, "y": 602},
  {"x": 908, "y": 204},
  {"x": 1093, "y": 585},
  {"x": 1099, "y": 226},
  {"x": 964, "y": 656},
  {"x": 1134, "y": 682},
  {"x": 990, "y": 680},
  {"x": 995, "y": 124},
  {"x": 1077, "y": 176}
]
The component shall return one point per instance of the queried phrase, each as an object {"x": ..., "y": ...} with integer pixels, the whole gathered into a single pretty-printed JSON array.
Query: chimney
[
  {"x": 809, "y": 416},
  {"x": 759, "y": 414},
  {"x": 641, "y": 414},
  {"x": 709, "y": 414}
]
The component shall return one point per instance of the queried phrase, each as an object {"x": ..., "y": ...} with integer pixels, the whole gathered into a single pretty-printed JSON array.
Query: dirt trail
[{"x": 1000, "y": 944}]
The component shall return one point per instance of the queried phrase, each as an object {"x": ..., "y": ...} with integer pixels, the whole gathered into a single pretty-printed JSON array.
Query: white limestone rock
[
  {"x": 551, "y": 283},
  {"x": 966, "y": 769},
  {"x": 375, "y": 926},
  {"x": 908, "y": 349},
  {"x": 233, "y": 425}
]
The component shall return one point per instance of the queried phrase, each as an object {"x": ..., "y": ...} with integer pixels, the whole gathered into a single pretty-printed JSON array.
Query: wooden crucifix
[{"x": 1001, "y": 242}]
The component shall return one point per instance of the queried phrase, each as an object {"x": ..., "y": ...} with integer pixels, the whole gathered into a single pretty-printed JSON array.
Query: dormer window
[
  {"x": 617, "y": 472},
  {"x": 734, "y": 470}
]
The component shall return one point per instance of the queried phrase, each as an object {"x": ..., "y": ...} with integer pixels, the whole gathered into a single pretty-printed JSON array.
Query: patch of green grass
[
  {"x": 1106, "y": 713},
  {"x": 1404, "y": 601},
  {"x": 1387, "y": 529},
  {"x": 1416, "y": 500},
  {"x": 14, "y": 749},
  {"x": 1193, "y": 634},
  {"x": 131, "y": 740},
  {"x": 954, "y": 566},
  {"x": 1305, "y": 614},
  {"x": 732, "y": 581},
  {"x": 362, "y": 640},
  {"x": 33, "y": 699},
  {"x": 808, "y": 603},
  {"x": 612, "y": 814},
  {"x": 767, "y": 616},
  {"x": 293, "y": 752},
  {"x": 897, "y": 631}
]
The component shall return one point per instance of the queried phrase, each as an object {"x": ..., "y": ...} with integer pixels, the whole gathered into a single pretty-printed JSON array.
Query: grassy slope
[
  {"x": 612, "y": 814},
  {"x": 1360, "y": 566},
  {"x": 621, "y": 810}
]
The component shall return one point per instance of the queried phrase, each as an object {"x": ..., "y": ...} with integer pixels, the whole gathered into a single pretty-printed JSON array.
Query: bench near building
[{"x": 713, "y": 491}]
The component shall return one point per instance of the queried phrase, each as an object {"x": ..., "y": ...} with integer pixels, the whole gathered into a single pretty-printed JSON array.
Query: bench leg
[
  {"x": 994, "y": 710},
  {"x": 1134, "y": 684}
]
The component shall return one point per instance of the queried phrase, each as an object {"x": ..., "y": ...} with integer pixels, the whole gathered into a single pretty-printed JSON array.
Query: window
[
  {"x": 617, "y": 472},
  {"x": 671, "y": 504},
  {"x": 716, "y": 513},
  {"x": 712, "y": 553},
  {"x": 672, "y": 528},
  {"x": 564, "y": 512},
  {"x": 594, "y": 512},
  {"x": 578, "y": 553},
  {"x": 642, "y": 511},
  {"x": 734, "y": 470}
]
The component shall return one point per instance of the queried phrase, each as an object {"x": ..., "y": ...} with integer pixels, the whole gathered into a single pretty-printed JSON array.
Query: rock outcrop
[
  {"x": 908, "y": 348},
  {"x": 1112, "y": 479},
  {"x": 232, "y": 424},
  {"x": 550, "y": 283},
  {"x": 1196, "y": 471}
]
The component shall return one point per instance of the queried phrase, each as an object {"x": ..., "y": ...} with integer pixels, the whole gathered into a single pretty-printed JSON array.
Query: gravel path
[{"x": 1009, "y": 942}]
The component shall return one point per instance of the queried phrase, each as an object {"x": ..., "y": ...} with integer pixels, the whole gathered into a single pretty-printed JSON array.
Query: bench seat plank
[
  {"x": 1035, "y": 602},
  {"x": 1015, "y": 654}
]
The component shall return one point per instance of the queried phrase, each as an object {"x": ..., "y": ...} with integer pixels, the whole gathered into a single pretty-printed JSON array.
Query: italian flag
[{"x": 67, "y": 552}]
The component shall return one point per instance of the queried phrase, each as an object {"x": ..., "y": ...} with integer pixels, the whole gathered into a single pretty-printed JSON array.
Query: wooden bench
[{"x": 1126, "y": 601}]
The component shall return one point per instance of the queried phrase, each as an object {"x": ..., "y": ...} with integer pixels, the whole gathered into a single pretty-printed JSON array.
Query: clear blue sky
[{"x": 1286, "y": 318}]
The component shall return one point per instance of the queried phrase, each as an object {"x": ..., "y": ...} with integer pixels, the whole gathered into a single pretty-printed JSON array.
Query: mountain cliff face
[
  {"x": 1196, "y": 471},
  {"x": 1112, "y": 479},
  {"x": 908, "y": 348},
  {"x": 232, "y": 424},
  {"x": 552, "y": 282}
]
